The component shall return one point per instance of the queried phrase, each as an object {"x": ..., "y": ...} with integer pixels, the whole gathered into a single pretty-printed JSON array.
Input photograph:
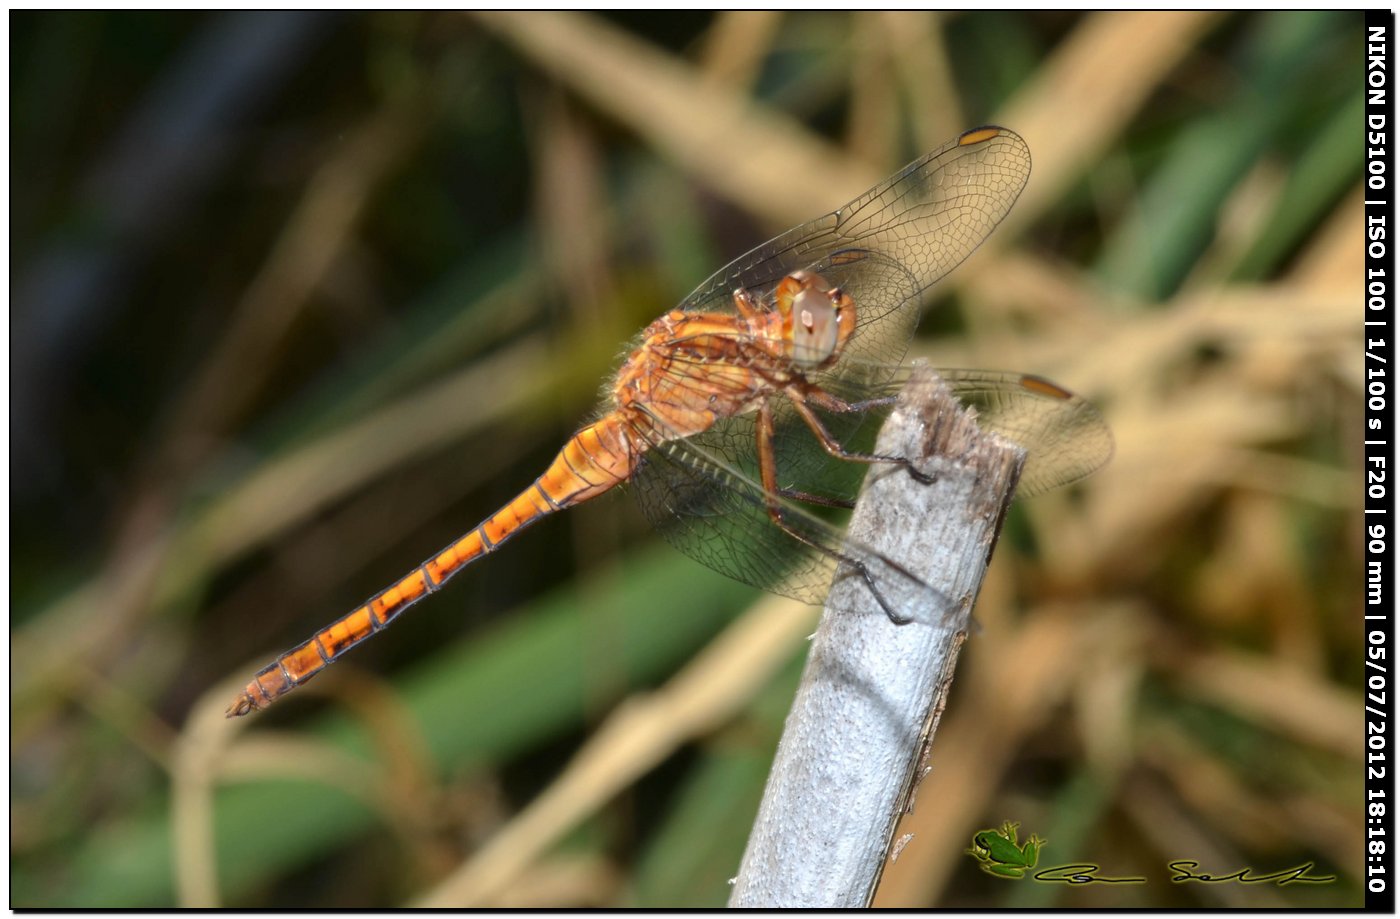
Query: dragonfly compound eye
[{"x": 814, "y": 327}]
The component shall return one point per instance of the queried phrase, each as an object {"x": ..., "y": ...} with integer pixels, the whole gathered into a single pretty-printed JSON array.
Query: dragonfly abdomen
[{"x": 593, "y": 461}]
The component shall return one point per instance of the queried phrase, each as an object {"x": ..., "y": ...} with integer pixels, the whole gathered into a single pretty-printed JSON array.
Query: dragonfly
[{"x": 742, "y": 416}]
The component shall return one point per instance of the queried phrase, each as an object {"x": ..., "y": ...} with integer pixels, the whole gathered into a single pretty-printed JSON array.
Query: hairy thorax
[{"x": 692, "y": 369}]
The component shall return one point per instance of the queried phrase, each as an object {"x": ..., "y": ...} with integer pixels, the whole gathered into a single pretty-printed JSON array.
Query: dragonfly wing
[
  {"x": 1065, "y": 437},
  {"x": 926, "y": 219},
  {"x": 717, "y": 513}
]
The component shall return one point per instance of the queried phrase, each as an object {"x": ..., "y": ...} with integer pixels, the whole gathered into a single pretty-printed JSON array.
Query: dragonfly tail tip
[{"x": 239, "y": 707}]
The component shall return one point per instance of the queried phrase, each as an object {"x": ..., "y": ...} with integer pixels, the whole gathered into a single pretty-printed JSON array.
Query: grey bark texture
[{"x": 858, "y": 737}]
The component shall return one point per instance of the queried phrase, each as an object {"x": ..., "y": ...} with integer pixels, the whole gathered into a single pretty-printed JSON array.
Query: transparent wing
[
  {"x": 703, "y": 493},
  {"x": 926, "y": 219},
  {"x": 717, "y": 513},
  {"x": 1065, "y": 437}
]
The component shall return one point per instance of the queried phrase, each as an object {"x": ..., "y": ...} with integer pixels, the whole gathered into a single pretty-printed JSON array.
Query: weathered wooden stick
[{"x": 857, "y": 739}]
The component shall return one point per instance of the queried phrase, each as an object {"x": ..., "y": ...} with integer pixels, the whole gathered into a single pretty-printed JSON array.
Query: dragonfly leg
[
  {"x": 823, "y": 399},
  {"x": 823, "y": 500},
  {"x": 832, "y": 446},
  {"x": 745, "y": 303},
  {"x": 768, "y": 472}
]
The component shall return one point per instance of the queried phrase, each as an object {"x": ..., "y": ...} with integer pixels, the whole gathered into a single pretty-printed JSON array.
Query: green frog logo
[{"x": 998, "y": 853}]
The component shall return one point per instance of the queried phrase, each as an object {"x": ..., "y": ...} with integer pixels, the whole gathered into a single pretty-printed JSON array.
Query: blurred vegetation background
[{"x": 299, "y": 298}]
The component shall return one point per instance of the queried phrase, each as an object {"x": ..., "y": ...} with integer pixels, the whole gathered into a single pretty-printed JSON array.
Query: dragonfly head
[{"x": 817, "y": 319}]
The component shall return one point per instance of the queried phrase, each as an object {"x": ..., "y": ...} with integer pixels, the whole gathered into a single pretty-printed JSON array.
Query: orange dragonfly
[{"x": 742, "y": 408}]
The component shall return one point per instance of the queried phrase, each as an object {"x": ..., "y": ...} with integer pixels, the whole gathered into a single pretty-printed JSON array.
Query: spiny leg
[
  {"x": 809, "y": 498},
  {"x": 833, "y": 446},
  {"x": 768, "y": 472},
  {"x": 772, "y": 488},
  {"x": 833, "y": 403}
]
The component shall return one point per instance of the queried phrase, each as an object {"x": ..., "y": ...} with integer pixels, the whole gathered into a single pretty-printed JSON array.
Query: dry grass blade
[
  {"x": 1334, "y": 260},
  {"x": 1250, "y": 815},
  {"x": 780, "y": 170},
  {"x": 212, "y": 751},
  {"x": 1159, "y": 818},
  {"x": 345, "y": 460},
  {"x": 314, "y": 235},
  {"x": 564, "y": 883},
  {"x": 920, "y": 54},
  {"x": 736, "y": 45},
  {"x": 1086, "y": 93},
  {"x": 874, "y": 117},
  {"x": 1275, "y": 695},
  {"x": 202, "y": 764}
]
